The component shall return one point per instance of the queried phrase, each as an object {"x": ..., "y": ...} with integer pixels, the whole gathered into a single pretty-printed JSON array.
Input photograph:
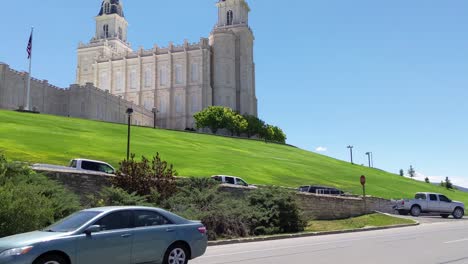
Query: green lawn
[
  {"x": 56, "y": 140},
  {"x": 372, "y": 220}
]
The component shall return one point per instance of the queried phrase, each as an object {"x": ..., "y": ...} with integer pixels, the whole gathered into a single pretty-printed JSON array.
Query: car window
[
  {"x": 72, "y": 222},
  {"x": 421, "y": 196},
  {"x": 150, "y": 218},
  {"x": 229, "y": 180},
  {"x": 73, "y": 164},
  {"x": 433, "y": 197},
  {"x": 117, "y": 220},
  {"x": 105, "y": 168},
  {"x": 444, "y": 198},
  {"x": 87, "y": 165},
  {"x": 216, "y": 178},
  {"x": 241, "y": 182}
]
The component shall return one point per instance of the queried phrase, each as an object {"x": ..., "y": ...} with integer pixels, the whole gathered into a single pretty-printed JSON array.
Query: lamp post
[
  {"x": 155, "y": 112},
  {"x": 129, "y": 113},
  {"x": 369, "y": 154},
  {"x": 351, "y": 152}
]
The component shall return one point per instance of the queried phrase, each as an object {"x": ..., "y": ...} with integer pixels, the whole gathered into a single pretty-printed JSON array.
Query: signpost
[{"x": 363, "y": 183}]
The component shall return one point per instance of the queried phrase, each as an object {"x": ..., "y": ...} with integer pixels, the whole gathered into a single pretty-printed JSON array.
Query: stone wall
[
  {"x": 76, "y": 101},
  {"x": 325, "y": 207},
  {"x": 82, "y": 184},
  {"x": 319, "y": 207}
]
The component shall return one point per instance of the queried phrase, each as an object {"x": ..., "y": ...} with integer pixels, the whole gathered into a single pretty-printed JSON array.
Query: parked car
[
  {"x": 430, "y": 203},
  {"x": 81, "y": 165},
  {"x": 117, "y": 235},
  {"x": 225, "y": 179},
  {"x": 320, "y": 190}
]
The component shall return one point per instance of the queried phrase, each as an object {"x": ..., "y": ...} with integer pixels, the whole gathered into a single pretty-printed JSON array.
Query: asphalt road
[{"x": 435, "y": 241}]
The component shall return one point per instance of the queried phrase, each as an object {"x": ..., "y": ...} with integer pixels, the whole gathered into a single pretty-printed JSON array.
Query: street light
[
  {"x": 369, "y": 155},
  {"x": 129, "y": 113},
  {"x": 351, "y": 152},
  {"x": 155, "y": 112}
]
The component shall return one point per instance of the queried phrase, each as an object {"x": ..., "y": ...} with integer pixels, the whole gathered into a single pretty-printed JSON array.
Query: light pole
[
  {"x": 351, "y": 152},
  {"x": 369, "y": 154},
  {"x": 129, "y": 113},
  {"x": 155, "y": 112}
]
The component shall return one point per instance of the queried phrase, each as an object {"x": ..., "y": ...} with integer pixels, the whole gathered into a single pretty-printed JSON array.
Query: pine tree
[
  {"x": 448, "y": 183},
  {"x": 411, "y": 172},
  {"x": 427, "y": 180},
  {"x": 402, "y": 173}
]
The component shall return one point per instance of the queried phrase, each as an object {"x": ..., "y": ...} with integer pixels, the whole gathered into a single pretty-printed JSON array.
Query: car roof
[
  {"x": 117, "y": 208},
  {"x": 98, "y": 161},
  {"x": 225, "y": 176}
]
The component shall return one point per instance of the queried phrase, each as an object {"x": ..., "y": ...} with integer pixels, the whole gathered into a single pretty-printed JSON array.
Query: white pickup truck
[
  {"x": 79, "y": 165},
  {"x": 430, "y": 203}
]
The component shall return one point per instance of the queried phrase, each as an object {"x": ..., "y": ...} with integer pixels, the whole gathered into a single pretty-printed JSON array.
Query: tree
[
  {"x": 213, "y": 117},
  {"x": 254, "y": 125},
  {"x": 402, "y": 173},
  {"x": 411, "y": 172},
  {"x": 267, "y": 133},
  {"x": 448, "y": 183},
  {"x": 427, "y": 180},
  {"x": 278, "y": 135},
  {"x": 235, "y": 123}
]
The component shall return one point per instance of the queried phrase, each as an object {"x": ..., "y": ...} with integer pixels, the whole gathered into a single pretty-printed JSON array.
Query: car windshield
[{"x": 72, "y": 222}]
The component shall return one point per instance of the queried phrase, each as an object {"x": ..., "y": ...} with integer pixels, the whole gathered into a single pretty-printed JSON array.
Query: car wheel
[
  {"x": 458, "y": 213},
  {"x": 445, "y": 215},
  {"x": 51, "y": 259},
  {"x": 415, "y": 211},
  {"x": 176, "y": 254}
]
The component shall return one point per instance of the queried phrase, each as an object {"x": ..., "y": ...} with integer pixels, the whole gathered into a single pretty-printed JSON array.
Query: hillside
[{"x": 56, "y": 140}]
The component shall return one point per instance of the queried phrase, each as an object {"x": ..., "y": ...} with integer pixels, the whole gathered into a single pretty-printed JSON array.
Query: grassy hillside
[{"x": 56, "y": 140}]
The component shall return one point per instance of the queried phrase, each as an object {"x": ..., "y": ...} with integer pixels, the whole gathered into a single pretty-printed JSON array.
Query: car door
[
  {"x": 153, "y": 234},
  {"x": 445, "y": 204},
  {"x": 229, "y": 180},
  {"x": 113, "y": 244},
  {"x": 433, "y": 203}
]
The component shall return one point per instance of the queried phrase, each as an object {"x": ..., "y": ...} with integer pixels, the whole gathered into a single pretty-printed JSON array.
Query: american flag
[{"x": 29, "y": 48}]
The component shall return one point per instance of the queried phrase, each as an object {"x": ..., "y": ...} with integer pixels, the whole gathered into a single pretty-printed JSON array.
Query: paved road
[{"x": 441, "y": 242}]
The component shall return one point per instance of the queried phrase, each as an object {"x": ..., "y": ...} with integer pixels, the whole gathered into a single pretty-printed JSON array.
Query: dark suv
[{"x": 323, "y": 190}]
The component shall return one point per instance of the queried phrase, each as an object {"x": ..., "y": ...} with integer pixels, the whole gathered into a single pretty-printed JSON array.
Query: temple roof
[{"x": 115, "y": 8}]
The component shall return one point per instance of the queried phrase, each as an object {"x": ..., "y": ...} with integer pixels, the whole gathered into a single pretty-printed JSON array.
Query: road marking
[{"x": 456, "y": 241}]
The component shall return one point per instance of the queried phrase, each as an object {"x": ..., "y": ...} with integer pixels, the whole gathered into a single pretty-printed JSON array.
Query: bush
[
  {"x": 145, "y": 177},
  {"x": 114, "y": 196},
  {"x": 29, "y": 200},
  {"x": 275, "y": 211}
]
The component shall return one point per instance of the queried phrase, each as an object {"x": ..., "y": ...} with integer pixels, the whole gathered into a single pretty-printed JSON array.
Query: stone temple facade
[{"x": 179, "y": 80}]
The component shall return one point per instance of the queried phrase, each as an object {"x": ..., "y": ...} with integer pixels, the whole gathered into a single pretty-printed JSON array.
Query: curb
[{"x": 299, "y": 235}]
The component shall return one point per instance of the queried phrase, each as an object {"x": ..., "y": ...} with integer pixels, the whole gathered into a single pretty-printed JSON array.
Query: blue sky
[{"x": 389, "y": 77}]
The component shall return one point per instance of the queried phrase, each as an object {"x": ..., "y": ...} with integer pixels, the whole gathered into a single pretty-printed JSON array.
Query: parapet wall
[{"x": 76, "y": 101}]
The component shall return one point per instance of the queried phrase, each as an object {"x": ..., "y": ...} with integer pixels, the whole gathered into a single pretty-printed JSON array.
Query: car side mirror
[{"x": 92, "y": 229}]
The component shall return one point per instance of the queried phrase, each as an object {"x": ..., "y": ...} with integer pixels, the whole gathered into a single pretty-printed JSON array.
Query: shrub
[
  {"x": 275, "y": 211},
  {"x": 29, "y": 200},
  {"x": 114, "y": 196},
  {"x": 145, "y": 177}
]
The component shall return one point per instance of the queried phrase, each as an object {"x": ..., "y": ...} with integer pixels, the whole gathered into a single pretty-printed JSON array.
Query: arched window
[
  {"x": 230, "y": 17},
  {"x": 106, "y": 31},
  {"x": 107, "y": 8}
]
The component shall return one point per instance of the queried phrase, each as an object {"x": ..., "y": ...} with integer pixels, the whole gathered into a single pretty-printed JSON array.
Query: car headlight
[{"x": 16, "y": 251}]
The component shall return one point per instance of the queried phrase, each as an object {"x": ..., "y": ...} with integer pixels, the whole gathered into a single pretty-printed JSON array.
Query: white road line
[{"x": 456, "y": 241}]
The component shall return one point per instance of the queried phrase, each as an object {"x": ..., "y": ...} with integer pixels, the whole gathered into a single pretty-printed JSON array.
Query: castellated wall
[{"x": 85, "y": 101}]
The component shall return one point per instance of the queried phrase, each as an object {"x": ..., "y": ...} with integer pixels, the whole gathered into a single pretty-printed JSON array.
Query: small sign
[{"x": 363, "y": 180}]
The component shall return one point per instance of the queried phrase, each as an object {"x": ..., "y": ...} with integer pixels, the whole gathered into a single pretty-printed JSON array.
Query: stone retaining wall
[{"x": 320, "y": 207}]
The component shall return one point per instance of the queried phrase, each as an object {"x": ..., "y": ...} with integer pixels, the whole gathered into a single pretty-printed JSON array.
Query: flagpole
[{"x": 28, "y": 91}]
